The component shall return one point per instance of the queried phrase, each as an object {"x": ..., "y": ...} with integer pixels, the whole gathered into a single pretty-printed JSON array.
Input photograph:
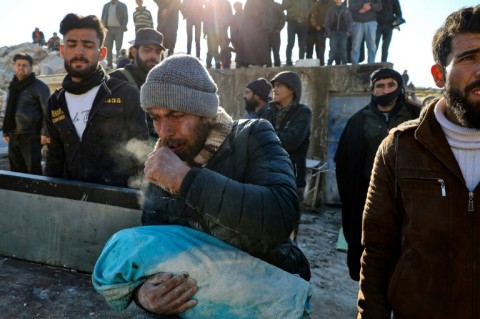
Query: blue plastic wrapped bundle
[{"x": 232, "y": 283}]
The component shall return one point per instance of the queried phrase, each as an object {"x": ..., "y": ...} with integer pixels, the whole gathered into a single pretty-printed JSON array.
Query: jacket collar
[{"x": 430, "y": 134}]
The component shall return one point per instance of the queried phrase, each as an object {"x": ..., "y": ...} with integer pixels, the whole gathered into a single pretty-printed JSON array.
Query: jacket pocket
[
  {"x": 108, "y": 122},
  {"x": 433, "y": 216}
]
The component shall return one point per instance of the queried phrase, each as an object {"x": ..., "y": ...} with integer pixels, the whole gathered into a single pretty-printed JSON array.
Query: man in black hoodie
[{"x": 291, "y": 121}]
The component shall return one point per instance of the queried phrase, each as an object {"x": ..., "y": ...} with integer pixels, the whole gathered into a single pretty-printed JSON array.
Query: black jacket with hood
[{"x": 294, "y": 130}]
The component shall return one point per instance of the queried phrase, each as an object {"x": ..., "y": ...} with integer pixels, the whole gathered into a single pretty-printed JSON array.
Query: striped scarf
[{"x": 219, "y": 132}]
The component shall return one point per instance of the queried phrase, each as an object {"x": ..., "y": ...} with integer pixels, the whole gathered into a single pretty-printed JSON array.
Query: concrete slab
[{"x": 29, "y": 290}]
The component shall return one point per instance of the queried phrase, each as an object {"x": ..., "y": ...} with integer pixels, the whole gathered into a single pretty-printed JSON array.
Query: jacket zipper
[
  {"x": 471, "y": 207},
  {"x": 442, "y": 187}
]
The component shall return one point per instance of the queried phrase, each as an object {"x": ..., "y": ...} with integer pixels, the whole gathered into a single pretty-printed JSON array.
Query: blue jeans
[
  {"x": 299, "y": 29},
  {"x": 369, "y": 31},
  {"x": 338, "y": 48}
]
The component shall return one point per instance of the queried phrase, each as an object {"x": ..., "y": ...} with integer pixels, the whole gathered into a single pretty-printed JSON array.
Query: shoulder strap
[{"x": 128, "y": 75}]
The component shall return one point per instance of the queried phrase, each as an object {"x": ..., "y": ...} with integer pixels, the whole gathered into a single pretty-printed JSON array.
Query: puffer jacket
[
  {"x": 421, "y": 230},
  {"x": 31, "y": 106},
  {"x": 111, "y": 149},
  {"x": 245, "y": 196}
]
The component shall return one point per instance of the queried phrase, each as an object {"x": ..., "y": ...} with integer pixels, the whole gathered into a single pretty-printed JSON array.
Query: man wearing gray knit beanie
[{"x": 229, "y": 179}]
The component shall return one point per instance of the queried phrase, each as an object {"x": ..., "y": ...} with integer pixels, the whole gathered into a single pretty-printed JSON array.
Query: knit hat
[
  {"x": 260, "y": 87},
  {"x": 148, "y": 36},
  {"x": 180, "y": 83},
  {"x": 385, "y": 73}
]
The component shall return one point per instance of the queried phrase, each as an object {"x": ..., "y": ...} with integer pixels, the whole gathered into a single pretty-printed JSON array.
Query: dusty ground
[
  {"x": 33, "y": 291},
  {"x": 334, "y": 293}
]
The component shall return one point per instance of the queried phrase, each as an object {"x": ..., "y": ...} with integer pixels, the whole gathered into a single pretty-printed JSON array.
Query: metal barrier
[
  {"x": 314, "y": 170},
  {"x": 61, "y": 222}
]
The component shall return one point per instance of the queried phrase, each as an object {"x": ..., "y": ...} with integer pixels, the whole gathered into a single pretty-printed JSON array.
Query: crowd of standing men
[{"x": 252, "y": 31}]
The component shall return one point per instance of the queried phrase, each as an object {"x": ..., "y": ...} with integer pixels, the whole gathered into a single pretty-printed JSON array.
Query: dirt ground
[{"x": 334, "y": 293}]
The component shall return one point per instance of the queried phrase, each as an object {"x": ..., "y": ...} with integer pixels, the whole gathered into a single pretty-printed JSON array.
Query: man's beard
[
  {"x": 74, "y": 73},
  {"x": 142, "y": 65},
  {"x": 193, "y": 147},
  {"x": 250, "y": 105},
  {"x": 466, "y": 112}
]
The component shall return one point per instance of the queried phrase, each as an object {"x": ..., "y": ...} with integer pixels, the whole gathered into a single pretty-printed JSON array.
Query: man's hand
[
  {"x": 166, "y": 294},
  {"x": 6, "y": 139},
  {"x": 164, "y": 168}
]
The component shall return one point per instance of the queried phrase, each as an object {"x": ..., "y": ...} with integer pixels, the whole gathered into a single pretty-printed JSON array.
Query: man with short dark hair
[
  {"x": 292, "y": 122},
  {"x": 356, "y": 151},
  {"x": 420, "y": 222},
  {"x": 97, "y": 128},
  {"x": 256, "y": 96},
  {"x": 24, "y": 124}
]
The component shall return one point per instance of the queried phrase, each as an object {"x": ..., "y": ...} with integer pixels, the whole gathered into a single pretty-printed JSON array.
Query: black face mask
[{"x": 387, "y": 98}]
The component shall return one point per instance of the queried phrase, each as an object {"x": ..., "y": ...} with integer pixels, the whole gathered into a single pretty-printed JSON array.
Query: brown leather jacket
[{"x": 421, "y": 230}]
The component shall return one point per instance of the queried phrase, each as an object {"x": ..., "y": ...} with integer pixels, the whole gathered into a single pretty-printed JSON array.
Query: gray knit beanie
[{"x": 180, "y": 83}]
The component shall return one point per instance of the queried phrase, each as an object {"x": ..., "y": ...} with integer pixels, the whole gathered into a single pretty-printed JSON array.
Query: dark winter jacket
[
  {"x": 294, "y": 130},
  {"x": 353, "y": 161},
  {"x": 133, "y": 74},
  {"x": 391, "y": 10},
  {"x": 255, "y": 20},
  {"x": 371, "y": 15},
  {"x": 421, "y": 229},
  {"x": 319, "y": 11},
  {"x": 245, "y": 196},
  {"x": 298, "y": 10},
  {"x": 192, "y": 10},
  {"x": 277, "y": 17},
  {"x": 31, "y": 105},
  {"x": 217, "y": 16},
  {"x": 101, "y": 155},
  {"x": 338, "y": 20}
]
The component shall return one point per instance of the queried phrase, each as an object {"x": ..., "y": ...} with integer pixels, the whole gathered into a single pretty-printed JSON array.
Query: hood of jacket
[{"x": 290, "y": 79}]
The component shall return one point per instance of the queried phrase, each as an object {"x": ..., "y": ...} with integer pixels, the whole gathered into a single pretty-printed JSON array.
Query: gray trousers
[{"x": 114, "y": 34}]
